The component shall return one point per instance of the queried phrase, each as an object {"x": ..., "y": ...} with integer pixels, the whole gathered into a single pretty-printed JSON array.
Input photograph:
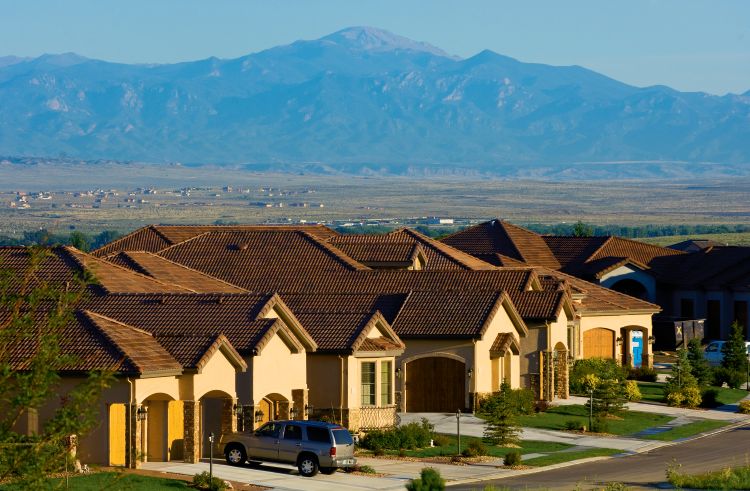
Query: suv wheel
[
  {"x": 235, "y": 454},
  {"x": 307, "y": 465}
]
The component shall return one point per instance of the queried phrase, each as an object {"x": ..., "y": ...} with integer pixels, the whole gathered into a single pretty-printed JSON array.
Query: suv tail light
[{"x": 332, "y": 452}]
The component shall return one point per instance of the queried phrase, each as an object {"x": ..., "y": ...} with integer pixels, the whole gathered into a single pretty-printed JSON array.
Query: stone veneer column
[
  {"x": 248, "y": 417},
  {"x": 561, "y": 372},
  {"x": 133, "y": 451},
  {"x": 228, "y": 418},
  {"x": 191, "y": 415},
  {"x": 299, "y": 400}
]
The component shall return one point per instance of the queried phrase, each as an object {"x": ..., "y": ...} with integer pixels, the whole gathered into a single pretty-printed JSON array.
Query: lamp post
[
  {"x": 458, "y": 430},
  {"x": 211, "y": 459},
  {"x": 591, "y": 407}
]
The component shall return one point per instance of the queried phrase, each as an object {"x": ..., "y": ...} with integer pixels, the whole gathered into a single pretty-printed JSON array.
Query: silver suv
[{"x": 310, "y": 445}]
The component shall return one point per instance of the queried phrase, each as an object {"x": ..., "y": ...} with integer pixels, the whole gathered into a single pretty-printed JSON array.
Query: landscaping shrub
[
  {"x": 402, "y": 452},
  {"x": 512, "y": 458},
  {"x": 441, "y": 441},
  {"x": 602, "y": 368},
  {"x": 410, "y": 436},
  {"x": 682, "y": 388},
  {"x": 609, "y": 398},
  {"x": 632, "y": 392},
  {"x": 699, "y": 366},
  {"x": 475, "y": 449},
  {"x": 429, "y": 480},
  {"x": 365, "y": 469},
  {"x": 501, "y": 415},
  {"x": 643, "y": 374},
  {"x": 692, "y": 396},
  {"x": 378, "y": 451},
  {"x": 723, "y": 375},
  {"x": 542, "y": 406},
  {"x": 522, "y": 400},
  {"x": 204, "y": 481},
  {"x": 573, "y": 425},
  {"x": 709, "y": 398},
  {"x": 744, "y": 407},
  {"x": 599, "y": 425}
]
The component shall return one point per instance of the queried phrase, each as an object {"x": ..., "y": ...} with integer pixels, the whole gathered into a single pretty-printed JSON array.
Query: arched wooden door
[
  {"x": 599, "y": 343},
  {"x": 435, "y": 384}
]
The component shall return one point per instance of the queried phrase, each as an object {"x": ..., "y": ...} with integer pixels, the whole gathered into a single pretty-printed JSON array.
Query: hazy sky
[{"x": 686, "y": 44}]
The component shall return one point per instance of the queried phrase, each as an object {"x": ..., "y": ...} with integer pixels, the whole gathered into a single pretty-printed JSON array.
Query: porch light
[
  {"x": 619, "y": 340},
  {"x": 141, "y": 413},
  {"x": 309, "y": 408},
  {"x": 398, "y": 372},
  {"x": 293, "y": 413},
  {"x": 237, "y": 409},
  {"x": 470, "y": 372},
  {"x": 651, "y": 340},
  {"x": 258, "y": 416}
]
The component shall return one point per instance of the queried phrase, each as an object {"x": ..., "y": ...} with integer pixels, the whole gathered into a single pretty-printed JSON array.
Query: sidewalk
[{"x": 723, "y": 413}]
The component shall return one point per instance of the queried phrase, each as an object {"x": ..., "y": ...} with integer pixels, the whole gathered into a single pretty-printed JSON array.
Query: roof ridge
[
  {"x": 607, "y": 241},
  {"x": 334, "y": 251},
  {"x": 456, "y": 255},
  {"x": 126, "y": 236},
  {"x": 160, "y": 251}
]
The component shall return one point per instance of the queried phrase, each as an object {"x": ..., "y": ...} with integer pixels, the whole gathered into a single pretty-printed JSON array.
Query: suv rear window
[
  {"x": 315, "y": 434},
  {"x": 342, "y": 437}
]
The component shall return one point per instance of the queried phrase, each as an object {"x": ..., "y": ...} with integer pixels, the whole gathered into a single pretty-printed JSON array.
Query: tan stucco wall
[
  {"x": 614, "y": 323},
  {"x": 481, "y": 380},
  {"x": 150, "y": 387},
  {"x": 276, "y": 370},
  {"x": 324, "y": 380}
]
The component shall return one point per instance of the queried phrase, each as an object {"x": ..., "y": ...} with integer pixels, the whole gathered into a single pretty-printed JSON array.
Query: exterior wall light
[
  {"x": 293, "y": 413},
  {"x": 470, "y": 372},
  {"x": 619, "y": 340},
  {"x": 309, "y": 408},
  {"x": 237, "y": 409},
  {"x": 398, "y": 372},
  {"x": 141, "y": 413},
  {"x": 258, "y": 416},
  {"x": 651, "y": 339}
]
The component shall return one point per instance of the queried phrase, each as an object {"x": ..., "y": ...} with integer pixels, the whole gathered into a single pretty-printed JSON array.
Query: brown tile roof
[
  {"x": 401, "y": 253},
  {"x": 141, "y": 349},
  {"x": 168, "y": 271},
  {"x": 143, "y": 239},
  {"x": 441, "y": 256},
  {"x": 447, "y": 314},
  {"x": 195, "y": 350},
  {"x": 714, "y": 267},
  {"x": 500, "y": 237},
  {"x": 573, "y": 251},
  {"x": 544, "y": 305},
  {"x": 503, "y": 342},
  {"x": 379, "y": 344}
]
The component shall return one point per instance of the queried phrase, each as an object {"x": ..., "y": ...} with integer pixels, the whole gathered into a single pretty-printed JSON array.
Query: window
[
  {"x": 269, "y": 429},
  {"x": 687, "y": 308},
  {"x": 315, "y": 434},
  {"x": 293, "y": 432},
  {"x": 386, "y": 382},
  {"x": 740, "y": 313},
  {"x": 368, "y": 383},
  {"x": 342, "y": 437},
  {"x": 712, "y": 348}
]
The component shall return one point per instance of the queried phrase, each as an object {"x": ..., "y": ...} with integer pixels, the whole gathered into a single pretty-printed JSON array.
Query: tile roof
[
  {"x": 503, "y": 342},
  {"x": 142, "y": 350},
  {"x": 379, "y": 344},
  {"x": 143, "y": 239},
  {"x": 194, "y": 351},
  {"x": 402, "y": 253},
  {"x": 544, "y": 305}
]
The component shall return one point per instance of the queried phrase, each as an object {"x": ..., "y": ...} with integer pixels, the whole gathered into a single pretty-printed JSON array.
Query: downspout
[
  {"x": 130, "y": 416},
  {"x": 341, "y": 391},
  {"x": 472, "y": 379}
]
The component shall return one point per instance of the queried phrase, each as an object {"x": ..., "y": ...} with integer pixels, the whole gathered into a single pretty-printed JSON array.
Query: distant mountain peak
[
  {"x": 375, "y": 39},
  {"x": 62, "y": 59}
]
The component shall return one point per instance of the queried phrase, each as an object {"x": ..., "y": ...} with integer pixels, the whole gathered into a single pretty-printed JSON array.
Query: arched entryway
[
  {"x": 435, "y": 384},
  {"x": 162, "y": 428},
  {"x": 636, "y": 350},
  {"x": 631, "y": 287},
  {"x": 599, "y": 342},
  {"x": 216, "y": 416},
  {"x": 272, "y": 407}
]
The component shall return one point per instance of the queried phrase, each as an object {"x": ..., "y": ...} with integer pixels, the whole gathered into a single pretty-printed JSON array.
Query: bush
[
  {"x": 602, "y": 368},
  {"x": 502, "y": 425},
  {"x": 512, "y": 458},
  {"x": 632, "y": 392},
  {"x": 402, "y": 452},
  {"x": 429, "y": 480},
  {"x": 410, "y": 436},
  {"x": 599, "y": 425},
  {"x": 744, "y": 407},
  {"x": 709, "y": 398},
  {"x": 521, "y": 400},
  {"x": 441, "y": 441},
  {"x": 692, "y": 396},
  {"x": 643, "y": 374},
  {"x": 675, "y": 398},
  {"x": 204, "y": 481},
  {"x": 573, "y": 425},
  {"x": 733, "y": 378},
  {"x": 475, "y": 449},
  {"x": 542, "y": 406},
  {"x": 365, "y": 469}
]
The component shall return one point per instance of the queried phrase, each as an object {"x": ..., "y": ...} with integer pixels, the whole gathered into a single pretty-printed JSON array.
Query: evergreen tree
[
  {"x": 502, "y": 423},
  {"x": 699, "y": 366},
  {"x": 682, "y": 387},
  {"x": 735, "y": 359},
  {"x": 609, "y": 398},
  {"x": 580, "y": 229}
]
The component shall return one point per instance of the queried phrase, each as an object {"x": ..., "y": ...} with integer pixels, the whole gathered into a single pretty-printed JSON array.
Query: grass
[
  {"x": 557, "y": 458},
  {"x": 527, "y": 446},
  {"x": 111, "y": 480},
  {"x": 654, "y": 392},
  {"x": 631, "y": 422},
  {"x": 687, "y": 430},
  {"x": 728, "y": 478}
]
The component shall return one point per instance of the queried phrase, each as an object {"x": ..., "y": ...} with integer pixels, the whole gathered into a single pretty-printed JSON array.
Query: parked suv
[
  {"x": 310, "y": 445},
  {"x": 713, "y": 352}
]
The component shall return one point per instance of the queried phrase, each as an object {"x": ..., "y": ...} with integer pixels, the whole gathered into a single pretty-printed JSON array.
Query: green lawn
[
  {"x": 530, "y": 446},
  {"x": 557, "y": 458},
  {"x": 111, "y": 481},
  {"x": 555, "y": 418},
  {"x": 687, "y": 430},
  {"x": 729, "y": 478},
  {"x": 654, "y": 392}
]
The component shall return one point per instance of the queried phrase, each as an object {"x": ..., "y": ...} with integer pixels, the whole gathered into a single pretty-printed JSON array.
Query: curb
[{"x": 571, "y": 463}]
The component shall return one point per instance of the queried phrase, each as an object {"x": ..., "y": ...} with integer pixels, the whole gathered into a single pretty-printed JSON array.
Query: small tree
[
  {"x": 429, "y": 480},
  {"x": 581, "y": 229},
  {"x": 735, "y": 356},
  {"x": 609, "y": 398},
  {"x": 502, "y": 423},
  {"x": 682, "y": 387},
  {"x": 699, "y": 366}
]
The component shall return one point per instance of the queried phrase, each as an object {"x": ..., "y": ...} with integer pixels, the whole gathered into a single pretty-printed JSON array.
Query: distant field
[
  {"x": 631, "y": 203},
  {"x": 738, "y": 239}
]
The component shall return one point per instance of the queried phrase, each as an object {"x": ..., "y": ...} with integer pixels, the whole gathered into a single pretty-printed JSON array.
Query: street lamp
[
  {"x": 591, "y": 407},
  {"x": 211, "y": 459}
]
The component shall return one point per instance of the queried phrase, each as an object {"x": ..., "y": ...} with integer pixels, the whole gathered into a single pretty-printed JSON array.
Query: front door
[{"x": 636, "y": 342}]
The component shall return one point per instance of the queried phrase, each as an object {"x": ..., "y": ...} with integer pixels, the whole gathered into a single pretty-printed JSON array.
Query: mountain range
[{"x": 364, "y": 100}]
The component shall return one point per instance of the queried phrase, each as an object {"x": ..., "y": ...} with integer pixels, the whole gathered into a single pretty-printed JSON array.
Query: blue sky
[{"x": 686, "y": 44}]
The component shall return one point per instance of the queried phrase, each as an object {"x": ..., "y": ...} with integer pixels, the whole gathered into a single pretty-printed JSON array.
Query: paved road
[{"x": 640, "y": 471}]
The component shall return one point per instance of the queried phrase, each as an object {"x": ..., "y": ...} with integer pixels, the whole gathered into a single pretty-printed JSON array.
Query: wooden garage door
[
  {"x": 117, "y": 434},
  {"x": 435, "y": 384},
  {"x": 599, "y": 343}
]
